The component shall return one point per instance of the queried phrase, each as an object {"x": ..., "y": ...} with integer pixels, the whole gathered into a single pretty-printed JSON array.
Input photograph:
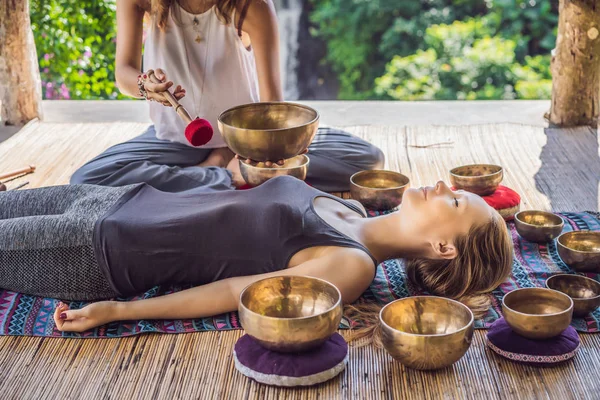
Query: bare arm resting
[{"x": 351, "y": 270}]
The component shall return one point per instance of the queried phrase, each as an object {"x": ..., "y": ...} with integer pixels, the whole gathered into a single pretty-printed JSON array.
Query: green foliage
[
  {"x": 464, "y": 62},
  {"x": 372, "y": 40},
  {"x": 530, "y": 23},
  {"x": 379, "y": 49},
  {"x": 75, "y": 41},
  {"x": 362, "y": 35}
]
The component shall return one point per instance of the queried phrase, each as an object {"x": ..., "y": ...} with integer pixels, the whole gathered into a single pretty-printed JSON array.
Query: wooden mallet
[
  {"x": 16, "y": 172},
  {"x": 22, "y": 171},
  {"x": 198, "y": 131}
]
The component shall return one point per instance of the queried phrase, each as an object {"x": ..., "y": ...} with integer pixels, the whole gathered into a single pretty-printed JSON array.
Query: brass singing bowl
[
  {"x": 481, "y": 179},
  {"x": 580, "y": 250},
  {"x": 426, "y": 332},
  {"x": 290, "y": 313},
  {"x": 538, "y": 226},
  {"x": 256, "y": 175},
  {"x": 584, "y": 292},
  {"x": 378, "y": 189},
  {"x": 269, "y": 131},
  {"x": 537, "y": 313}
]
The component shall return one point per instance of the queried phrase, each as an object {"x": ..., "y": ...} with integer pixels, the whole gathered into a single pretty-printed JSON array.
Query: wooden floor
[{"x": 552, "y": 169}]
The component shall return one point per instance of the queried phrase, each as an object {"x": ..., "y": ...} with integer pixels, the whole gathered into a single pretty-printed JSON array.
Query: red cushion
[{"x": 505, "y": 200}]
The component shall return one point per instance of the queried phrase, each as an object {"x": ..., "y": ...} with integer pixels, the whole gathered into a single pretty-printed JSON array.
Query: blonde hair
[
  {"x": 160, "y": 9},
  {"x": 484, "y": 260}
]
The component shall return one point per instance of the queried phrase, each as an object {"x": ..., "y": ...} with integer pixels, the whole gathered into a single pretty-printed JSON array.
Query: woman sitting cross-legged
[{"x": 84, "y": 242}]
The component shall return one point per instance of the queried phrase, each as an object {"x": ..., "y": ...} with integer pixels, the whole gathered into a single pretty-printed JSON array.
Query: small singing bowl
[
  {"x": 538, "y": 226},
  {"x": 537, "y": 313},
  {"x": 481, "y": 179},
  {"x": 290, "y": 313},
  {"x": 378, "y": 189},
  {"x": 255, "y": 175},
  {"x": 584, "y": 292},
  {"x": 580, "y": 250},
  {"x": 269, "y": 131},
  {"x": 426, "y": 332}
]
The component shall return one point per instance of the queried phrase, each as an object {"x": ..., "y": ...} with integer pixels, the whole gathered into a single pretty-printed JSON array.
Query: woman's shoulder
[
  {"x": 142, "y": 5},
  {"x": 350, "y": 256},
  {"x": 255, "y": 13}
]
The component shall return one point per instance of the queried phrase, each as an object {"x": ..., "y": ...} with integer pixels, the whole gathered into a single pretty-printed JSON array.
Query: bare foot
[
  {"x": 234, "y": 168},
  {"x": 218, "y": 158}
]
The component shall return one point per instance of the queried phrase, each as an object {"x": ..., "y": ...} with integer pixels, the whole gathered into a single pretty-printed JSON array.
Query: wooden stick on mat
[{"x": 27, "y": 170}]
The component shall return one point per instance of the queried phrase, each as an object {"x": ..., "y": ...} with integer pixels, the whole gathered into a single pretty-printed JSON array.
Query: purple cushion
[
  {"x": 291, "y": 369},
  {"x": 505, "y": 342}
]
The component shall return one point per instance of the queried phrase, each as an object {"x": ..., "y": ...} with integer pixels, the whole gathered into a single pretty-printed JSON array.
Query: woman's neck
[
  {"x": 196, "y": 6},
  {"x": 387, "y": 238}
]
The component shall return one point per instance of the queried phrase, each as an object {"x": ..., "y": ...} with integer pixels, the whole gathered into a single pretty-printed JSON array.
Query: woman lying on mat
[{"x": 85, "y": 242}]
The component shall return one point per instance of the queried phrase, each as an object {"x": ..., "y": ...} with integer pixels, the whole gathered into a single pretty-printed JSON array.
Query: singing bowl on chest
[
  {"x": 290, "y": 313},
  {"x": 378, "y": 189},
  {"x": 269, "y": 131},
  {"x": 258, "y": 174}
]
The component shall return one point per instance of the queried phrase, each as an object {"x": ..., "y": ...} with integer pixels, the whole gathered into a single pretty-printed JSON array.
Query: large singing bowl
[
  {"x": 269, "y": 131},
  {"x": 290, "y": 313},
  {"x": 426, "y": 332}
]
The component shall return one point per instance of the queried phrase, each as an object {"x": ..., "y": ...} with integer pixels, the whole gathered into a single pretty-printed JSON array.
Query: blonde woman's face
[{"x": 439, "y": 213}]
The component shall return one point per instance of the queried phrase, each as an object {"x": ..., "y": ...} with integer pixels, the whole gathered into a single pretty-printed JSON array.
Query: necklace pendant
[{"x": 198, "y": 39}]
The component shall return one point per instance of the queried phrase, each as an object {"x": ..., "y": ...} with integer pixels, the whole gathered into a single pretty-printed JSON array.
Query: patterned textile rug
[{"x": 24, "y": 315}]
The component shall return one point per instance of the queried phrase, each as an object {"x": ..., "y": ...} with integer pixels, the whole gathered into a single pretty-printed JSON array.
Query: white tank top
[{"x": 209, "y": 61}]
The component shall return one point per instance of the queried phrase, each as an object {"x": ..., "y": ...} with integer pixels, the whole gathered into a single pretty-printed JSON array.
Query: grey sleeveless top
[{"x": 199, "y": 236}]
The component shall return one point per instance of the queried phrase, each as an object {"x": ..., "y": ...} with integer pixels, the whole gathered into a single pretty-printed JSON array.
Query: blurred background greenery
[{"x": 374, "y": 49}]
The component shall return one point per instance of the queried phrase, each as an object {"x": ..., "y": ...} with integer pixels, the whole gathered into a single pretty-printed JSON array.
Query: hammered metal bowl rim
[
  {"x": 304, "y": 164},
  {"x": 379, "y": 170},
  {"x": 501, "y": 169},
  {"x": 579, "y": 276},
  {"x": 269, "y": 103},
  {"x": 572, "y": 249},
  {"x": 566, "y": 311},
  {"x": 337, "y": 303},
  {"x": 469, "y": 324},
  {"x": 562, "y": 221}
]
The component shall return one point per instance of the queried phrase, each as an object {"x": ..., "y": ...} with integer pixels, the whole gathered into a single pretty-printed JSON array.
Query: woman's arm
[
  {"x": 128, "y": 62},
  {"x": 261, "y": 25},
  {"x": 351, "y": 270}
]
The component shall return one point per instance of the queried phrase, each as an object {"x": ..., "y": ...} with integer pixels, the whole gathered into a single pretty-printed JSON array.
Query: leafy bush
[
  {"x": 369, "y": 40},
  {"x": 363, "y": 35},
  {"x": 464, "y": 62},
  {"x": 75, "y": 42}
]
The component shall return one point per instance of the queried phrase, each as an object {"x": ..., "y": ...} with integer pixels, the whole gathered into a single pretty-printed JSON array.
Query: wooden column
[
  {"x": 576, "y": 64},
  {"x": 20, "y": 86}
]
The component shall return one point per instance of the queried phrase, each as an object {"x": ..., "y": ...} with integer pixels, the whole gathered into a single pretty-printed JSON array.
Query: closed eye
[{"x": 456, "y": 202}]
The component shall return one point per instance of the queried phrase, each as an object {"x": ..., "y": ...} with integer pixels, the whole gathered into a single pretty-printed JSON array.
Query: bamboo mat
[{"x": 552, "y": 169}]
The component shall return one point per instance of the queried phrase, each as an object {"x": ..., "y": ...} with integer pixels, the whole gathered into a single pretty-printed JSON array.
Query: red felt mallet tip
[{"x": 199, "y": 132}]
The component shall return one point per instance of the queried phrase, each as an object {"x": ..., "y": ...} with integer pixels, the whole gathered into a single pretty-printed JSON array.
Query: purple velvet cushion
[
  {"x": 291, "y": 369},
  {"x": 504, "y": 341}
]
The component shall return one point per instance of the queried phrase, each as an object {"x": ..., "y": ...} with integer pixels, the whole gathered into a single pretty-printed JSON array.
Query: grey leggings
[
  {"x": 46, "y": 241},
  {"x": 171, "y": 167}
]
